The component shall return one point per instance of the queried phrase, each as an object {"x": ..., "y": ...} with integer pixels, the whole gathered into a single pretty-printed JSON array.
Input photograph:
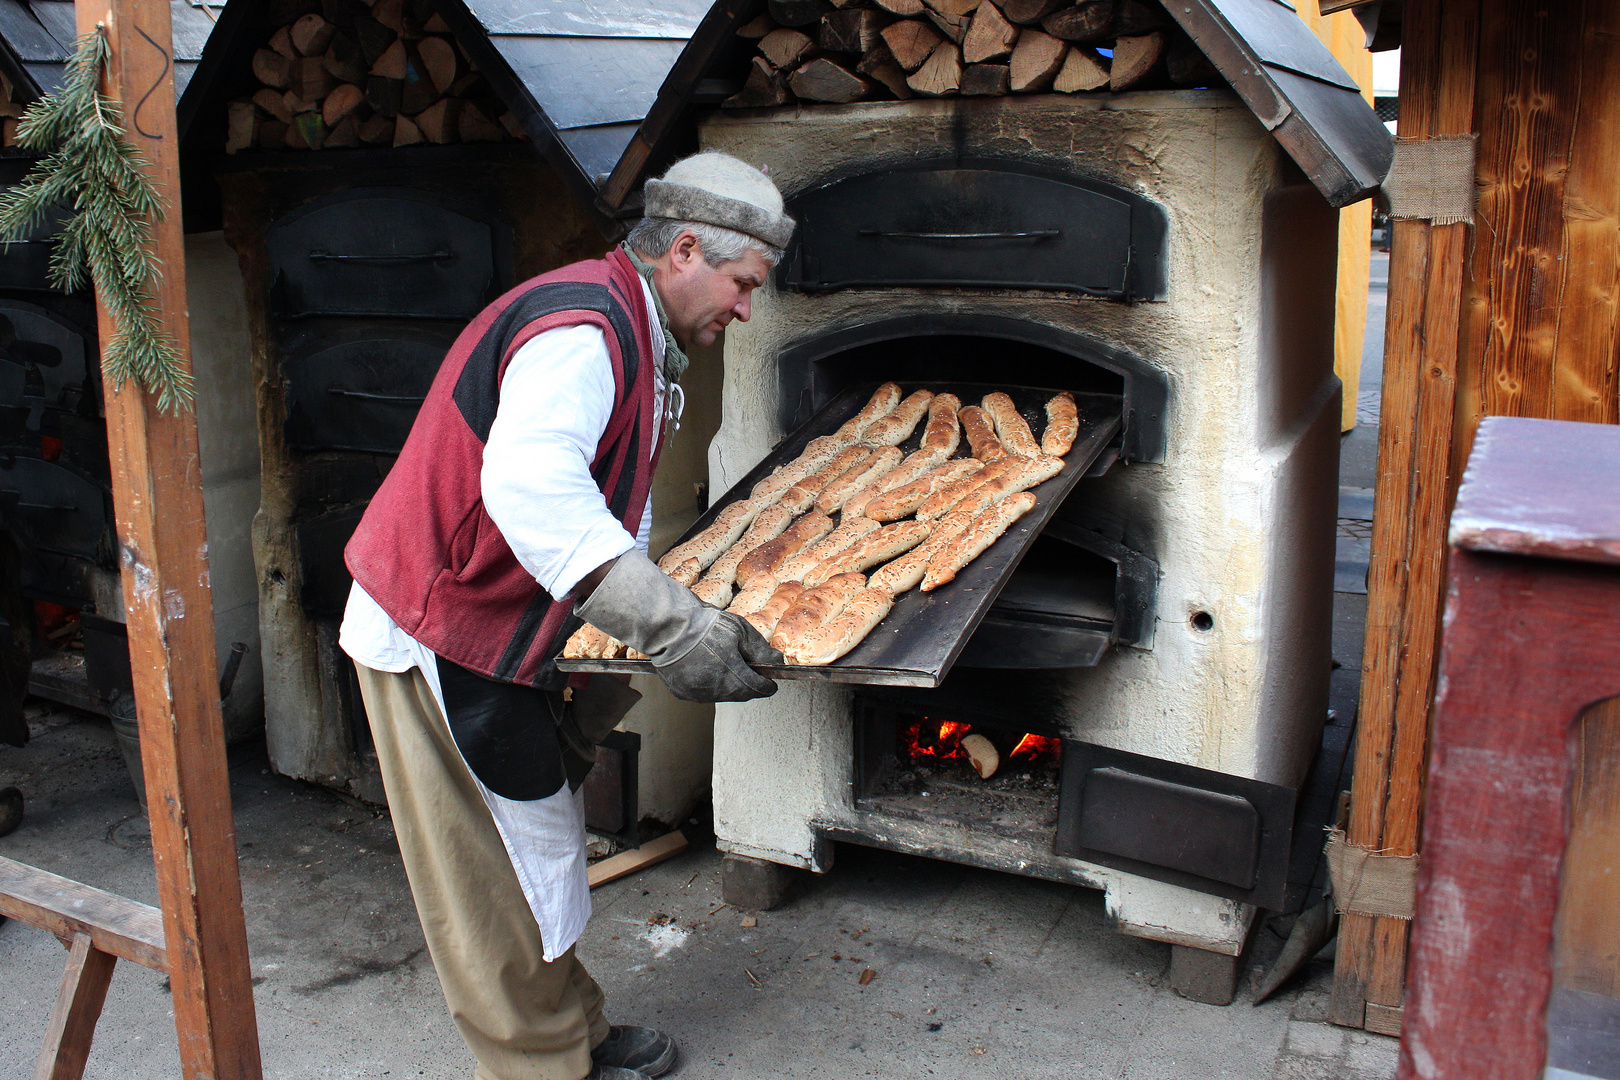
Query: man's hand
[
  {"x": 587, "y": 584},
  {"x": 701, "y": 653}
]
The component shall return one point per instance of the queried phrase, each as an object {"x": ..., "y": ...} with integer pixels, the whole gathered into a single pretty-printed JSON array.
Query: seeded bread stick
[
  {"x": 818, "y": 453},
  {"x": 688, "y": 572},
  {"x": 1011, "y": 428},
  {"x": 841, "y": 539},
  {"x": 879, "y": 405},
  {"x": 981, "y": 434},
  {"x": 716, "y": 592},
  {"x": 903, "y": 501},
  {"x": 760, "y": 565},
  {"x": 887, "y": 543},
  {"x": 816, "y": 606},
  {"x": 783, "y": 597},
  {"x": 770, "y": 524},
  {"x": 723, "y": 532},
  {"x": 897, "y": 427},
  {"x": 907, "y": 571},
  {"x": 834, "y": 495},
  {"x": 749, "y": 600},
  {"x": 916, "y": 464},
  {"x": 948, "y": 496},
  {"x": 1062, "y": 425},
  {"x": 986, "y": 529},
  {"x": 828, "y": 642},
  {"x": 944, "y": 431},
  {"x": 1036, "y": 470},
  {"x": 586, "y": 643}
]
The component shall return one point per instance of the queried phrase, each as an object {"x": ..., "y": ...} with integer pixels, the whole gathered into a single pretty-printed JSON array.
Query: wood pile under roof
[{"x": 843, "y": 51}]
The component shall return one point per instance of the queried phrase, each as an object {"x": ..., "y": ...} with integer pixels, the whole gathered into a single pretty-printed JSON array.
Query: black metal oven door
[
  {"x": 986, "y": 226},
  {"x": 360, "y": 392},
  {"x": 61, "y": 521},
  {"x": 42, "y": 360},
  {"x": 382, "y": 253}
]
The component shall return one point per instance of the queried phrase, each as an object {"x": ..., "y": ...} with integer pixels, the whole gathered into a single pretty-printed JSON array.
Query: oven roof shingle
[
  {"x": 1280, "y": 69},
  {"x": 37, "y": 38}
]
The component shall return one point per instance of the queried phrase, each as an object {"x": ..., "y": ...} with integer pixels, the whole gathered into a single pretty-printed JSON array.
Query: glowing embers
[{"x": 986, "y": 750}]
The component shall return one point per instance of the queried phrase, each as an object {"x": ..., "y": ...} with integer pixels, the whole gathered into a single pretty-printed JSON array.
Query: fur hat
[{"x": 718, "y": 189}]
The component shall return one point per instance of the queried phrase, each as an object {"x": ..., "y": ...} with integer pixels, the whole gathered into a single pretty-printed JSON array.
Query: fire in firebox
[{"x": 926, "y": 739}]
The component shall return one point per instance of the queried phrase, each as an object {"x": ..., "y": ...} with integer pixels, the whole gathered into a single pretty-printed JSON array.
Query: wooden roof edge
[{"x": 1333, "y": 7}]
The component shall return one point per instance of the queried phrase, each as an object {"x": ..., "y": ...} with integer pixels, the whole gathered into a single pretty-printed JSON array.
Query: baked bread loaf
[
  {"x": 883, "y": 545},
  {"x": 903, "y": 501},
  {"x": 944, "y": 431},
  {"x": 783, "y": 597},
  {"x": 687, "y": 572},
  {"x": 1011, "y": 428},
  {"x": 907, "y": 571},
  {"x": 841, "y": 539},
  {"x": 897, "y": 427},
  {"x": 749, "y": 600},
  {"x": 817, "y": 453},
  {"x": 1033, "y": 471},
  {"x": 760, "y": 565},
  {"x": 716, "y": 592},
  {"x": 816, "y": 606},
  {"x": 1062, "y": 425},
  {"x": 879, "y": 405},
  {"x": 947, "y": 497},
  {"x": 770, "y": 524},
  {"x": 917, "y": 463},
  {"x": 713, "y": 542},
  {"x": 981, "y": 434},
  {"x": 826, "y": 643},
  {"x": 881, "y": 462},
  {"x": 985, "y": 530}
]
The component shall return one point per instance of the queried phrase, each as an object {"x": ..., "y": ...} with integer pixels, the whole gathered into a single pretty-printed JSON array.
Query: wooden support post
[
  {"x": 157, "y": 494},
  {"x": 78, "y": 1007},
  {"x": 1407, "y": 573}
]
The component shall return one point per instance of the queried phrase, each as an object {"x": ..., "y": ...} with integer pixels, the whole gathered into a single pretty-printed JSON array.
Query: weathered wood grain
[
  {"x": 78, "y": 1006},
  {"x": 113, "y": 923}
]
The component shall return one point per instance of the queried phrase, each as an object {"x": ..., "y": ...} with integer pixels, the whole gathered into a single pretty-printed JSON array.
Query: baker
[{"x": 518, "y": 507}]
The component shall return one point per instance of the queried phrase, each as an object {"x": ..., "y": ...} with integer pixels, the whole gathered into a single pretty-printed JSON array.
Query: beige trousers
[{"x": 522, "y": 1018}]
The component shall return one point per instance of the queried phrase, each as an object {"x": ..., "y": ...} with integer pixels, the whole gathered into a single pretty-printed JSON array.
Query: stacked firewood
[
  {"x": 860, "y": 50},
  {"x": 348, "y": 73},
  {"x": 10, "y": 112}
]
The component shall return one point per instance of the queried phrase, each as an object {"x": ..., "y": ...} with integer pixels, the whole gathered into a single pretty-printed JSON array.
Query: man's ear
[{"x": 685, "y": 250}]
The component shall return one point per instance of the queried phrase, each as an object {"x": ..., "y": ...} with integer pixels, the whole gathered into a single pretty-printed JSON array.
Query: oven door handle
[
  {"x": 1034, "y": 234},
  {"x": 417, "y": 257},
  {"x": 365, "y": 395}
]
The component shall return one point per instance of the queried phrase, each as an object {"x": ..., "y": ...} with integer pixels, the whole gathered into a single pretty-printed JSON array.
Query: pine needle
[{"x": 97, "y": 181}]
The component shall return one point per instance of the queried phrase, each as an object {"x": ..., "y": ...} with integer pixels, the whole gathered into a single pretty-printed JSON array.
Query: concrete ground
[{"x": 976, "y": 974}]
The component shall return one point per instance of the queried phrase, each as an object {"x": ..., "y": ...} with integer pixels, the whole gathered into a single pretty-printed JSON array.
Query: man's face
[{"x": 701, "y": 299}]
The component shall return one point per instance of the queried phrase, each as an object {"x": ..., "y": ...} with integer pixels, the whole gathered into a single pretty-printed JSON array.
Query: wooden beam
[
  {"x": 1407, "y": 572},
  {"x": 113, "y": 923},
  {"x": 163, "y": 544},
  {"x": 628, "y": 862},
  {"x": 78, "y": 1007}
]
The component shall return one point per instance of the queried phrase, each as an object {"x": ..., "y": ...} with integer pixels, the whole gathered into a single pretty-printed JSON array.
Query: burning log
[{"x": 982, "y": 755}]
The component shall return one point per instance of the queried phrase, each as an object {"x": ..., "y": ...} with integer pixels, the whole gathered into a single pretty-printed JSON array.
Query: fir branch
[{"x": 98, "y": 180}]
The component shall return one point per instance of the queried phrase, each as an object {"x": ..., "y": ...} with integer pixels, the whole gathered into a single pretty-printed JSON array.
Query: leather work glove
[{"x": 701, "y": 653}]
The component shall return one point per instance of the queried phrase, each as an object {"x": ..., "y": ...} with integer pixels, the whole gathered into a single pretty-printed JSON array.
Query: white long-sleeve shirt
[{"x": 556, "y": 400}]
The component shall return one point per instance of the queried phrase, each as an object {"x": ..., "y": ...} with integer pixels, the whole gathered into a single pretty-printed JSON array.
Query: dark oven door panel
[
  {"x": 359, "y": 390},
  {"x": 397, "y": 254}
]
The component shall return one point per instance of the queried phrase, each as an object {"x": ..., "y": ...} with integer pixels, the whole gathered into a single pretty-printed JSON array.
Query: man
[{"x": 519, "y": 506}]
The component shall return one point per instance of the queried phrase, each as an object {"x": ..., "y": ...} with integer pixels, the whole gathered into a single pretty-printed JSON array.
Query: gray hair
[{"x": 654, "y": 236}]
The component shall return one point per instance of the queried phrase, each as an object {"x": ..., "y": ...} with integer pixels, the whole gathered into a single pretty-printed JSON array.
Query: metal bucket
[{"x": 121, "y": 711}]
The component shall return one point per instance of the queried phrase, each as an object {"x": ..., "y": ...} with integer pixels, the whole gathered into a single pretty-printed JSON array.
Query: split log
[
  {"x": 405, "y": 132},
  {"x": 823, "y": 80},
  {"x": 989, "y": 36},
  {"x": 273, "y": 135},
  {"x": 1134, "y": 58},
  {"x": 311, "y": 35},
  {"x": 1089, "y": 20},
  {"x": 984, "y": 80},
  {"x": 342, "y": 13},
  {"x": 281, "y": 42},
  {"x": 241, "y": 126},
  {"x": 851, "y": 31},
  {"x": 383, "y": 95},
  {"x": 764, "y": 87},
  {"x": 903, "y": 8},
  {"x": 440, "y": 122},
  {"x": 271, "y": 68},
  {"x": 295, "y": 105},
  {"x": 308, "y": 132},
  {"x": 1188, "y": 66},
  {"x": 309, "y": 79},
  {"x": 377, "y": 131},
  {"x": 476, "y": 126},
  {"x": 956, "y": 9},
  {"x": 391, "y": 13},
  {"x": 941, "y": 74},
  {"x": 344, "y": 61},
  {"x": 879, "y": 64},
  {"x": 417, "y": 92},
  {"x": 392, "y": 63},
  {"x": 273, "y": 103},
  {"x": 758, "y": 27},
  {"x": 373, "y": 38},
  {"x": 911, "y": 42},
  {"x": 785, "y": 48},
  {"x": 342, "y": 101},
  {"x": 1036, "y": 61},
  {"x": 513, "y": 126},
  {"x": 439, "y": 58},
  {"x": 1029, "y": 12},
  {"x": 1083, "y": 69},
  {"x": 345, "y": 135},
  {"x": 1134, "y": 17},
  {"x": 435, "y": 24},
  {"x": 797, "y": 12},
  {"x": 952, "y": 26}
]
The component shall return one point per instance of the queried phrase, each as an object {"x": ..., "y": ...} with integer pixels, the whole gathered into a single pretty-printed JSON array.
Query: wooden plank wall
[
  {"x": 1586, "y": 949},
  {"x": 1515, "y": 315}
]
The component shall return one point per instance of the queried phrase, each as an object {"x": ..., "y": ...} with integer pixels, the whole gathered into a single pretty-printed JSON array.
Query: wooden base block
[
  {"x": 754, "y": 884},
  {"x": 1208, "y": 977}
]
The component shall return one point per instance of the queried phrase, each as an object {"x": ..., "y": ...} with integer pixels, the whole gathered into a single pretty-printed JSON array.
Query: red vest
[{"x": 428, "y": 552}]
